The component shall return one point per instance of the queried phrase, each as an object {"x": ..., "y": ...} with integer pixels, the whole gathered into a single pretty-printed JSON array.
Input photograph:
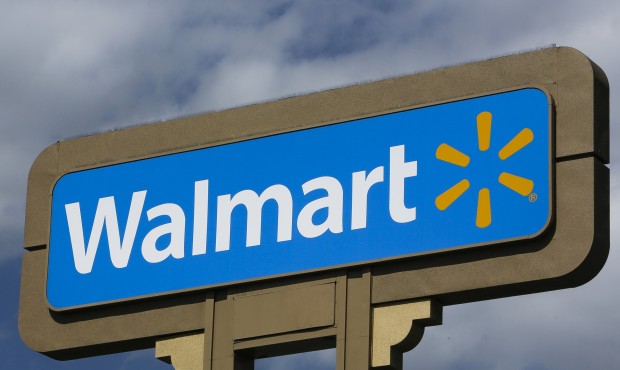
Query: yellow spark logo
[{"x": 515, "y": 183}]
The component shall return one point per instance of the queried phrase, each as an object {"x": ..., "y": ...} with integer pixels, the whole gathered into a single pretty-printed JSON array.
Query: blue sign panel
[{"x": 461, "y": 174}]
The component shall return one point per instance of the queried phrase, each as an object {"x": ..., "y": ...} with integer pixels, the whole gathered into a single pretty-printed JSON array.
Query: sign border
[{"x": 550, "y": 216}]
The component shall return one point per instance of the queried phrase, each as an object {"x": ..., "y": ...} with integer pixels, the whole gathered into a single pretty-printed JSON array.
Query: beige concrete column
[
  {"x": 190, "y": 351},
  {"x": 223, "y": 355},
  {"x": 355, "y": 348},
  {"x": 398, "y": 328}
]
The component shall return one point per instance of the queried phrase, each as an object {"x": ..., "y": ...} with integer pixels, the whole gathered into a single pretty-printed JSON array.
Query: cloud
[{"x": 70, "y": 68}]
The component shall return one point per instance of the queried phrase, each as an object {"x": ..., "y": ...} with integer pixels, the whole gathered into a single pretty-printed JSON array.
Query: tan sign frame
[{"x": 333, "y": 309}]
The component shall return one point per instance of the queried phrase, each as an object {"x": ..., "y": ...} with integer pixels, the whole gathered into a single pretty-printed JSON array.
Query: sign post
[{"x": 346, "y": 218}]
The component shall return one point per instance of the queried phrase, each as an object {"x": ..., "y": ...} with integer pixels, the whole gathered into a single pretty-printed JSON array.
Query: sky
[{"x": 71, "y": 68}]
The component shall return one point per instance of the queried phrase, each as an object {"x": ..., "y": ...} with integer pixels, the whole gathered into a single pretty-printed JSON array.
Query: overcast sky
[{"x": 69, "y": 68}]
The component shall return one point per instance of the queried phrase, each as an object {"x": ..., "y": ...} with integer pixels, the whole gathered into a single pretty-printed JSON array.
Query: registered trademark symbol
[{"x": 533, "y": 197}]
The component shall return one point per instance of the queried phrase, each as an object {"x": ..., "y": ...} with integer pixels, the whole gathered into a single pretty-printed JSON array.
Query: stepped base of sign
[
  {"x": 183, "y": 353},
  {"x": 398, "y": 328}
]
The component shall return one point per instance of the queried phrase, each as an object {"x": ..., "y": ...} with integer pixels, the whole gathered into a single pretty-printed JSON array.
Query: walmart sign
[{"x": 461, "y": 174}]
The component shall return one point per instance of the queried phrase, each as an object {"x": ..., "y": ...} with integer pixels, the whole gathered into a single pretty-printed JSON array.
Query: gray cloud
[{"x": 73, "y": 67}]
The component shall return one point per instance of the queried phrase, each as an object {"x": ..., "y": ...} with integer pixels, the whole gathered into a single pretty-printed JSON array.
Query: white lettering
[
  {"x": 176, "y": 229},
  {"x": 399, "y": 171},
  {"x": 105, "y": 214},
  {"x": 333, "y": 203},
  {"x": 254, "y": 205},
  {"x": 359, "y": 204},
  {"x": 201, "y": 213}
]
